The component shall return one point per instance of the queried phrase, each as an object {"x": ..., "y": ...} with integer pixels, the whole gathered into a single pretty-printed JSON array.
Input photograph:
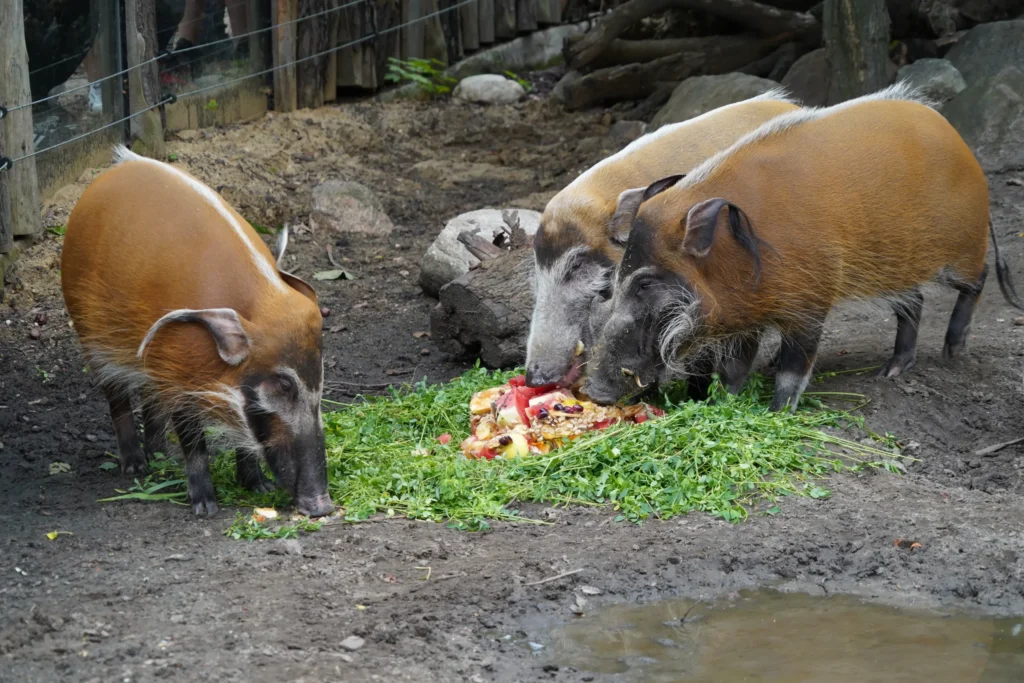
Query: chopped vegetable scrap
[{"x": 517, "y": 420}]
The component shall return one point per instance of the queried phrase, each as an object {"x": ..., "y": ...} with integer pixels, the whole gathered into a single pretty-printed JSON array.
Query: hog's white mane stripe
[
  {"x": 780, "y": 94},
  {"x": 122, "y": 154},
  {"x": 780, "y": 124}
]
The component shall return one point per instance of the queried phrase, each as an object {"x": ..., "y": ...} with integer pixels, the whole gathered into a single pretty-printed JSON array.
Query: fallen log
[
  {"x": 639, "y": 81},
  {"x": 754, "y": 16},
  {"x": 485, "y": 313}
]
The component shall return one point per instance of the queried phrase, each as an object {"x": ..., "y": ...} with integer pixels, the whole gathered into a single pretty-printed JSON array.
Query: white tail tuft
[{"x": 123, "y": 154}]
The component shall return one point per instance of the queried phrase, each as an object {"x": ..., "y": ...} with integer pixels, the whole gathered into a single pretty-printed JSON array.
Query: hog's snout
[
  {"x": 538, "y": 375},
  {"x": 315, "y": 506}
]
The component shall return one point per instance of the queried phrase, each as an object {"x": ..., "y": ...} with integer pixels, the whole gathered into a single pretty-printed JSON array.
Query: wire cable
[{"x": 6, "y": 162}]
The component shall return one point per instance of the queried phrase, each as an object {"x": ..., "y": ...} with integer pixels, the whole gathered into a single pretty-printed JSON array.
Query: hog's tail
[{"x": 1003, "y": 273}]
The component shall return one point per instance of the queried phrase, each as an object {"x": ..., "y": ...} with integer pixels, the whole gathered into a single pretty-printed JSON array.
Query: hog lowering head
[
  {"x": 654, "y": 310},
  {"x": 574, "y": 267}
]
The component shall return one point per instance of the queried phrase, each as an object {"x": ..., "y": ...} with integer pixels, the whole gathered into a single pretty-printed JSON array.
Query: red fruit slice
[
  {"x": 517, "y": 381},
  {"x": 444, "y": 439}
]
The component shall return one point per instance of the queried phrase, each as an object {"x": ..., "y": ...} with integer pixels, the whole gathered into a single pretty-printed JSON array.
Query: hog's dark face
[
  {"x": 650, "y": 307},
  {"x": 282, "y": 407},
  {"x": 567, "y": 278}
]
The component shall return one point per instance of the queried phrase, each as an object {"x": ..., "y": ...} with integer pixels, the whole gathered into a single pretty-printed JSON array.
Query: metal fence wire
[{"x": 8, "y": 162}]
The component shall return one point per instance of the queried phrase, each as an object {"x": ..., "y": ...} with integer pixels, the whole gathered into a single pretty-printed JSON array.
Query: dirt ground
[{"x": 145, "y": 592}]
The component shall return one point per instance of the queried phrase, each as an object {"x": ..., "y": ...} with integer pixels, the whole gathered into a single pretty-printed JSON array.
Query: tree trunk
[
  {"x": 314, "y": 36},
  {"x": 856, "y": 47},
  {"x": 638, "y": 81},
  {"x": 16, "y": 133},
  {"x": 486, "y": 312},
  {"x": 757, "y": 17}
]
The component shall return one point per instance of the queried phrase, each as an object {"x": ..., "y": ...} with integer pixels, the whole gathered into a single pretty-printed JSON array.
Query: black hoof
[
  {"x": 205, "y": 508},
  {"x": 134, "y": 464},
  {"x": 897, "y": 365}
]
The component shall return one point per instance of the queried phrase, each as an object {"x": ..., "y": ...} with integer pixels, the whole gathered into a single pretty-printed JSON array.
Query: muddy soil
[{"x": 145, "y": 592}]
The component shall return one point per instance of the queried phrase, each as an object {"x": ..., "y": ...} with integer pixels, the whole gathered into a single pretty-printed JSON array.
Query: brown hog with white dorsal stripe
[
  {"x": 868, "y": 199},
  {"x": 582, "y": 230},
  {"x": 174, "y": 295}
]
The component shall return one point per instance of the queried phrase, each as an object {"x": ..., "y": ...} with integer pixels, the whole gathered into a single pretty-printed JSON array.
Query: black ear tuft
[{"x": 659, "y": 186}]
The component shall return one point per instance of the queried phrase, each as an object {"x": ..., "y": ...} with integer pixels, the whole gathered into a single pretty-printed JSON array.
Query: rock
[
  {"x": 625, "y": 132},
  {"x": 447, "y": 258},
  {"x": 701, "y": 94},
  {"x": 807, "y": 79},
  {"x": 489, "y": 89},
  {"x": 938, "y": 79},
  {"x": 353, "y": 643},
  {"x": 989, "y": 115},
  {"x": 348, "y": 207},
  {"x": 989, "y": 48}
]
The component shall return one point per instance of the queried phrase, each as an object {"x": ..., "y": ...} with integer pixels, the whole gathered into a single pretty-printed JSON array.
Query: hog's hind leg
[
  {"x": 908, "y": 318},
  {"x": 248, "y": 472},
  {"x": 130, "y": 454},
  {"x": 201, "y": 493},
  {"x": 963, "y": 313},
  {"x": 154, "y": 426}
]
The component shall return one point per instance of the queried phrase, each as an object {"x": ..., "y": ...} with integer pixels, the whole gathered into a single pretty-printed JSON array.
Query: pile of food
[{"x": 517, "y": 420}]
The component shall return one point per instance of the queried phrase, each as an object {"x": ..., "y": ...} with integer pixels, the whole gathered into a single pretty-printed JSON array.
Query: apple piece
[
  {"x": 480, "y": 403},
  {"x": 516, "y": 447}
]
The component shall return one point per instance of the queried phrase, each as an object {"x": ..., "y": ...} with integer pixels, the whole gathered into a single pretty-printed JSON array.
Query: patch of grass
[
  {"x": 722, "y": 457},
  {"x": 719, "y": 457},
  {"x": 58, "y": 230},
  {"x": 527, "y": 86}
]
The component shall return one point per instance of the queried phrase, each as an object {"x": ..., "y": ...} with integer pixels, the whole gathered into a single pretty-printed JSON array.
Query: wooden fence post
[
  {"x": 16, "y": 133},
  {"x": 470, "y": 24},
  {"x": 504, "y": 19},
  {"x": 412, "y": 35},
  {"x": 485, "y": 13},
  {"x": 333, "y": 37},
  {"x": 147, "y": 130},
  {"x": 285, "y": 94},
  {"x": 526, "y": 15},
  {"x": 314, "y": 35},
  {"x": 257, "y": 43},
  {"x": 434, "y": 46}
]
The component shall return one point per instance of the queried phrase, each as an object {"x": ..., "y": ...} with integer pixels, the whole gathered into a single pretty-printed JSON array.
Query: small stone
[
  {"x": 1019, "y": 322},
  {"x": 35, "y": 333},
  {"x": 90, "y": 437},
  {"x": 488, "y": 89},
  {"x": 424, "y": 352},
  {"x": 536, "y": 647},
  {"x": 177, "y": 618},
  {"x": 347, "y": 207},
  {"x": 353, "y": 643},
  {"x": 324, "y": 311}
]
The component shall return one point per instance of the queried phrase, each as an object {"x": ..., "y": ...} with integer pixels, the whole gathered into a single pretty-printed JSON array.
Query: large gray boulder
[
  {"x": 701, "y": 94},
  {"x": 989, "y": 115},
  {"x": 447, "y": 258},
  {"x": 988, "y": 48},
  {"x": 348, "y": 207},
  {"x": 489, "y": 89},
  {"x": 807, "y": 79},
  {"x": 937, "y": 79}
]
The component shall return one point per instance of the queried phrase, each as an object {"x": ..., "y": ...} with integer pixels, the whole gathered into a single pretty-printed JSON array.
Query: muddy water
[{"x": 790, "y": 638}]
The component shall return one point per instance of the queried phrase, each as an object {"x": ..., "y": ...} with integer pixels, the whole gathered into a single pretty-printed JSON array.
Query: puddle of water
[{"x": 790, "y": 638}]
